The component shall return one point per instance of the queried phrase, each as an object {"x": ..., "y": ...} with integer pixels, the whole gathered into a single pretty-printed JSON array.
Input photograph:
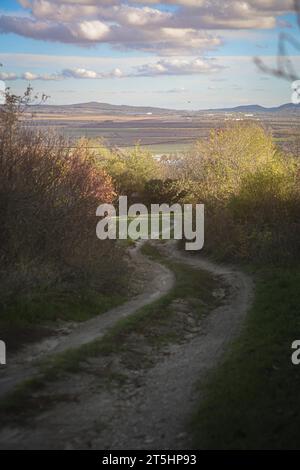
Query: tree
[
  {"x": 130, "y": 170},
  {"x": 158, "y": 191},
  {"x": 215, "y": 167}
]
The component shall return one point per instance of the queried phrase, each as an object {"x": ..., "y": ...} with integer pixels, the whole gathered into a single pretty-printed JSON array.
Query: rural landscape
[
  {"x": 137, "y": 342},
  {"x": 160, "y": 131}
]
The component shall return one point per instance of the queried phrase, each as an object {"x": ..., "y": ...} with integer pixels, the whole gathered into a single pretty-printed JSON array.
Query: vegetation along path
[{"x": 130, "y": 378}]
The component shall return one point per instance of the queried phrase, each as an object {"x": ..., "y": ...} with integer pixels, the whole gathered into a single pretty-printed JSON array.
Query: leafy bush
[
  {"x": 159, "y": 191},
  {"x": 130, "y": 170},
  {"x": 49, "y": 193},
  {"x": 251, "y": 192},
  {"x": 216, "y": 166}
]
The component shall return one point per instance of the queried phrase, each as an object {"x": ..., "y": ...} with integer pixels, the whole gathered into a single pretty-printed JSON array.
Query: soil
[{"x": 142, "y": 397}]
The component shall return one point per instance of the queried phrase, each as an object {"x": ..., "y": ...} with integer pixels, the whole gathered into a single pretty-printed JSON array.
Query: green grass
[
  {"x": 252, "y": 399},
  {"x": 44, "y": 307},
  {"x": 32, "y": 317}
]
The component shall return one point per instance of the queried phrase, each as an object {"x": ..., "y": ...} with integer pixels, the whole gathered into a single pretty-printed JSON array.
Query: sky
[{"x": 183, "y": 54}]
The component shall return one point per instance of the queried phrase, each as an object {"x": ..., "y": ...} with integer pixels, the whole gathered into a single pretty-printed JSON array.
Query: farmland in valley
[{"x": 161, "y": 131}]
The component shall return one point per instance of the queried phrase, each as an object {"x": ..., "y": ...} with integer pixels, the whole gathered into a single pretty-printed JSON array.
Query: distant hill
[
  {"x": 94, "y": 107},
  {"x": 288, "y": 108},
  {"x": 251, "y": 108}
]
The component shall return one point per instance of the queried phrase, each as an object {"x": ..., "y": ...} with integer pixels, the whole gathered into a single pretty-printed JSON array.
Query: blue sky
[{"x": 189, "y": 54}]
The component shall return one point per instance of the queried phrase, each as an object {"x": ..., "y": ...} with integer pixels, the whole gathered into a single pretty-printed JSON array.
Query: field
[{"x": 160, "y": 133}]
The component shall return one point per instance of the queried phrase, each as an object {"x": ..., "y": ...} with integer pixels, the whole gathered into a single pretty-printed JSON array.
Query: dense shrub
[
  {"x": 49, "y": 193},
  {"x": 251, "y": 192},
  {"x": 160, "y": 191},
  {"x": 216, "y": 166},
  {"x": 130, "y": 170}
]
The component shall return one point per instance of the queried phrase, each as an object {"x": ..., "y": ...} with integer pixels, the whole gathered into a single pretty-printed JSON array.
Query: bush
[
  {"x": 216, "y": 166},
  {"x": 251, "y": 192},
  {"x": 49, "y": 193},
  {"x": 130, "y": 170},
  {"x": 265, "y": 209},
  {"x": 158, "y": 191}
]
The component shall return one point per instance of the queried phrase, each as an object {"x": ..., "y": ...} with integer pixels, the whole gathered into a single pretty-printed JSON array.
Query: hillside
[
  {"x": 111, "y": 109},
  {"x": 288, "y": 108},
  {"x": 94, "y": 107}
]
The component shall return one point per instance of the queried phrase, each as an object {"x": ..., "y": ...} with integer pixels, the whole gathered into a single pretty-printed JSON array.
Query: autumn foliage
[
  {"x": 251, "y": 192},
  {"x": 49, "y": 193}
]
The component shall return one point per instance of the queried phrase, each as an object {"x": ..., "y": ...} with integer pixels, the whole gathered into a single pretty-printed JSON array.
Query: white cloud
[
  {"x": 93, "y": 31},
  {"x": 179, "y": 67},
  {"x": 139, "y": 24},
  {"x": 90, "y": 74},
  {"x": 30, "y": 76},
  {"x": 77, "y": 73},
  {"x": 8, "y": 76},
  {"x": 80, "y": 73},
  {"x": 171, "y": 66},
  {"x": 173, "y": 90}
]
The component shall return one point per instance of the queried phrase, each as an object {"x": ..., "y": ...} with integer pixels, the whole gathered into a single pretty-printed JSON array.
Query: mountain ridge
[{"x": 107, "y": 108}]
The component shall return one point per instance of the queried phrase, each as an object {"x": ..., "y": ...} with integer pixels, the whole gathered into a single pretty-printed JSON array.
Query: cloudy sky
[{"x": 191, "y": 54}]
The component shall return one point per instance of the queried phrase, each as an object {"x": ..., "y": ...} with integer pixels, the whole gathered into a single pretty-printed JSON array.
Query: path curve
[
  {"x": 164, "y": 405},
  {"x": 155, "y": 415},
  {"x": 23, "y": 365}
]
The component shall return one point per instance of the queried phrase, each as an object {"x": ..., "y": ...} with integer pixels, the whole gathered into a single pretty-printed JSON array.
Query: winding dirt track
[
  {"x": 153, "y": 415},
  {"x": 22, "y": 366}
]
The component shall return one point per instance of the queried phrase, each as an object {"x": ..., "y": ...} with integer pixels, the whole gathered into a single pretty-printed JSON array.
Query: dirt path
[
  {"x": 152, "y": 410},
  {"x": 157, "y": 282}
]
